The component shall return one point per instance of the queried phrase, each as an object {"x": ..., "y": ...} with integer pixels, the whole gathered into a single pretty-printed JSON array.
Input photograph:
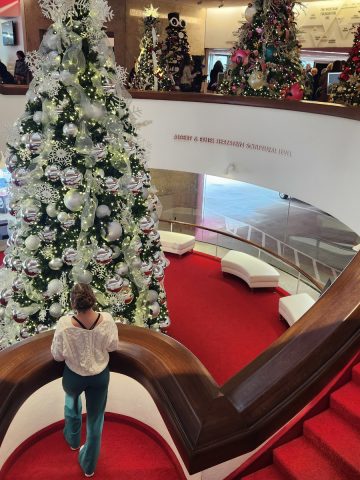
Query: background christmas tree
[
  {"x": 176, "y": 47},
  {"x": 266, "y": 60},
  {"x": 149, "y": 73},
  {"x": 347, "y": 91},
  {"x": 81, "y": 196}
]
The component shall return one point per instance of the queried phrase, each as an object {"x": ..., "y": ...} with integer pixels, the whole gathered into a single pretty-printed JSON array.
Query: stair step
[
  {"x": 338, "y": 439},
  {"x": 346, "y": 402},
  {"x": 268, "y": 473},
  {"x": 301, "y": 460},
  {"x": 356, "y": 373}
]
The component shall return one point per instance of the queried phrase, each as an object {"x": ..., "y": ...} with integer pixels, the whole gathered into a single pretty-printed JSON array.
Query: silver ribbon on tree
[{"x": 154, "y": 58}]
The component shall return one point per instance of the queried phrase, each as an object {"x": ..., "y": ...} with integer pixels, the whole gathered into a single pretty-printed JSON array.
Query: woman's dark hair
[
  {"x": 82, "y": 297},
  {"x": 218, "y": 67},
  {"x": 21, "y": 54},
  {"x": 337, "y": 67}
]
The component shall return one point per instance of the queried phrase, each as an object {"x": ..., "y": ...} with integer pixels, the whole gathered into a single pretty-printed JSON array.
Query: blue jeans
[{"x": 96, "y": 389}]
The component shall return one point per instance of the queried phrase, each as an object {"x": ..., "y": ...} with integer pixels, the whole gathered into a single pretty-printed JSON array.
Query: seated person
[
  {"x": 21, "y": 72},
  {"x": 5, "y": 76}
]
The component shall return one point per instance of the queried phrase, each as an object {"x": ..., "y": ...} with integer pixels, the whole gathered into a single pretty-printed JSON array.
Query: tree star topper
[{"x": 151, "y": 12}]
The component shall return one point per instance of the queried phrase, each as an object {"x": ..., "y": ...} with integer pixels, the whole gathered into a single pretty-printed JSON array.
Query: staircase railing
[{"x": 211, "y": 424}]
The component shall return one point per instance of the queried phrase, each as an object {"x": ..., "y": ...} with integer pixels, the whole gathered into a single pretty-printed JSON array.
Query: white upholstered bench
[
  {"x": 174, "y": 242},
  {"x": 255, "y": 272},
  {"x": 293, "y": 307}
]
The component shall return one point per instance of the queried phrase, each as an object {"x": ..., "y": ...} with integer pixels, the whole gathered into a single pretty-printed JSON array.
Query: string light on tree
[{"x": 79, "y": 188}]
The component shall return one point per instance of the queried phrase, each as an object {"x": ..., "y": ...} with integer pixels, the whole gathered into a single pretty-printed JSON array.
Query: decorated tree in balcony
[
  {"x": 176, "y": 47},
  {"x": 149, "y": 73},
  {"x": 247, "y": 72},
  {"x": 265, "y": 60},
  {"x": 347, "y": 91},
  {"x": 81, "y": 198}
]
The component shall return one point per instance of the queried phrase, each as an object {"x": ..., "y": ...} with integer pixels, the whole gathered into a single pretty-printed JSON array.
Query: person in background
[
  {"x": 213, "y": 83},
  {"x": 21, "y": 72},
  {"x": 315, "y": 74},
  {"x": 5, "y": 75},
  {"x": 84, "y": 342},
  {"x": 188, "y": 76},
  {"x": 321, "y": 94}
]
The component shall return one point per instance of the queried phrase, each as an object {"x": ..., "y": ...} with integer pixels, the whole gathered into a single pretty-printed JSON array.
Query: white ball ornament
[
  {"x": 32, "y": 242},
  {"x": 73, "y": 200},
  {"x": 70, "y": 130},
  {"x": 154, "y": 310},
  {"x": 114, "y": 232},
  {"x": 250, "y": 12},
  {"x": 54, "y": 287},
  {"x": 82, "y": 276},
  {"x": 37, "y": 117},
  {"x": 103, "y": 211},
  {"x": 55, "y": 310},
  {"x": 51, "y": 210},
  {"x": 56, "y": 264}
]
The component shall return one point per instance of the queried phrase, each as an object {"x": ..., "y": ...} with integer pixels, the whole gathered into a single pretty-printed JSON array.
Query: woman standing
[{"x": 84, "y": 341}]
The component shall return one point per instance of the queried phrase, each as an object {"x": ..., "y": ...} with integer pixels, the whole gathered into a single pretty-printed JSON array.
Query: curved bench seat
[
  {"x": 255, "y": 272},
  {"x": 179, "y": 243},
  {"x": 293, "y": 307}
]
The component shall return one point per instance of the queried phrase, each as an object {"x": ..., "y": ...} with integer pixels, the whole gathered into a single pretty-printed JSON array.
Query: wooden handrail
[
  {"x": 318, "y": 285},
  {"x": 320, "y": 108},
  {"x": 212, "y": 424}
]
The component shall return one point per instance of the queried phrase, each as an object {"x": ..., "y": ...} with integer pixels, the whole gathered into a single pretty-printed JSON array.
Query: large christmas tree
[
  {"x": 347, "y": 91},
  {"x": 81, "y": 197},
  {"x": 176, "y": 47},
  {"x": 149, "y": 73},
  {"x": 265, "y": 60}
]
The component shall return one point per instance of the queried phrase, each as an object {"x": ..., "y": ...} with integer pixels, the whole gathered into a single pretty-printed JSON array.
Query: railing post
[{"x": 298, "y": 282}]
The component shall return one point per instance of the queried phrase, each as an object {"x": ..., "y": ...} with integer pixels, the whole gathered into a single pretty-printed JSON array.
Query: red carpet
[
  {"x": 329, "y": 446},
  {"x": 130, "y": 451},
  {"x": 217, "y": 317}
]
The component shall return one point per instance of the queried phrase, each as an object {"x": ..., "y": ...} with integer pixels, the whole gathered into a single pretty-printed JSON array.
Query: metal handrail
[{"x": 318, "y": 286}]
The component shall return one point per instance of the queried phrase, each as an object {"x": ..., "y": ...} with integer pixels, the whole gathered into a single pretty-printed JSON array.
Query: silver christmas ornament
[
  {"x": 164, "y": 323},
  {"x": 103, "y": 255},
  {"x": 37, "y": 117},
  {"x": 31, "y": 214},
  {"x": 71, "y": 177},
  {"x": 127, "y": 295},
  {"x": 70, "y": 130},
  {"x": 113, "y": 232},
  {"x": 35, "y": 142},
  {"x": 20, "y": 177},
  {"x": 109, "y": 86},
  {"x": 48, "y": 235},
  {"x": 154, "y": 310},
  {"x": 257, "y": 80},
  {"x": 146, "y": 224},
  {"x": 74, "y": 200},
  {"x": 42, "y": 328},
  {"x": 31, "y": 267},
  {"x": 116, "y": 252},
  {"x": 82, "y": 276},
  {"x": 111, "y": 184},
  {"x": 16, "y": 265},
  {"x": 103, "y": 211},
  {"x": 19, "y": 315},
  {"x": 114, "y": 284},
  {"x": 154, "y": 236},
  {"x": 24, "y": 333},
  {"x": 158, "y": 273},
  {"x": 11, "y": 162},
  {"x": 53, "y": 173},
  {"x": 51, "y": 210},
  {"x": 99, "y": 151},
  {"x": 146, "y": 268},
  {"x": 70, "y": 256},
  {"x": 32, "y": 242},
  {"x": 56, "y": 264},
  {"x": 55, "y": 310},
  {"x": 134, "y": 185},
  {"x": 122, "y": 269},
  {"x": 152, "y": 296},
  {"x": 5, "y": 296},
  {"x": 7, "y": 261},
  {"x": 54, "y": 287}
]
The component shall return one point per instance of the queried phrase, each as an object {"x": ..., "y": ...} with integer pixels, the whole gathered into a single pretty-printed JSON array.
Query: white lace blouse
[{"x": 85, "y": 351}]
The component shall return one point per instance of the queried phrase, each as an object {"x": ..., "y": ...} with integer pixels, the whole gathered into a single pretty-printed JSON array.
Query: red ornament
[
  {"x": 295, "y": 92},
  {"x": 241, "y": 56}
]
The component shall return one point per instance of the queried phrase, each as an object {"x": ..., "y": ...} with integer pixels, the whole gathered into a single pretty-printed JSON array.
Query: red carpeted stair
[{"x": 330, "y": 444}]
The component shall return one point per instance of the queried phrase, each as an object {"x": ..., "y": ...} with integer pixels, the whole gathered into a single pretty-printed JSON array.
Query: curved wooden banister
[
  {"x": 317, "y": 285},
  {"x": 321, "y": 108},
  {"x": 211, "y": 424}
]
